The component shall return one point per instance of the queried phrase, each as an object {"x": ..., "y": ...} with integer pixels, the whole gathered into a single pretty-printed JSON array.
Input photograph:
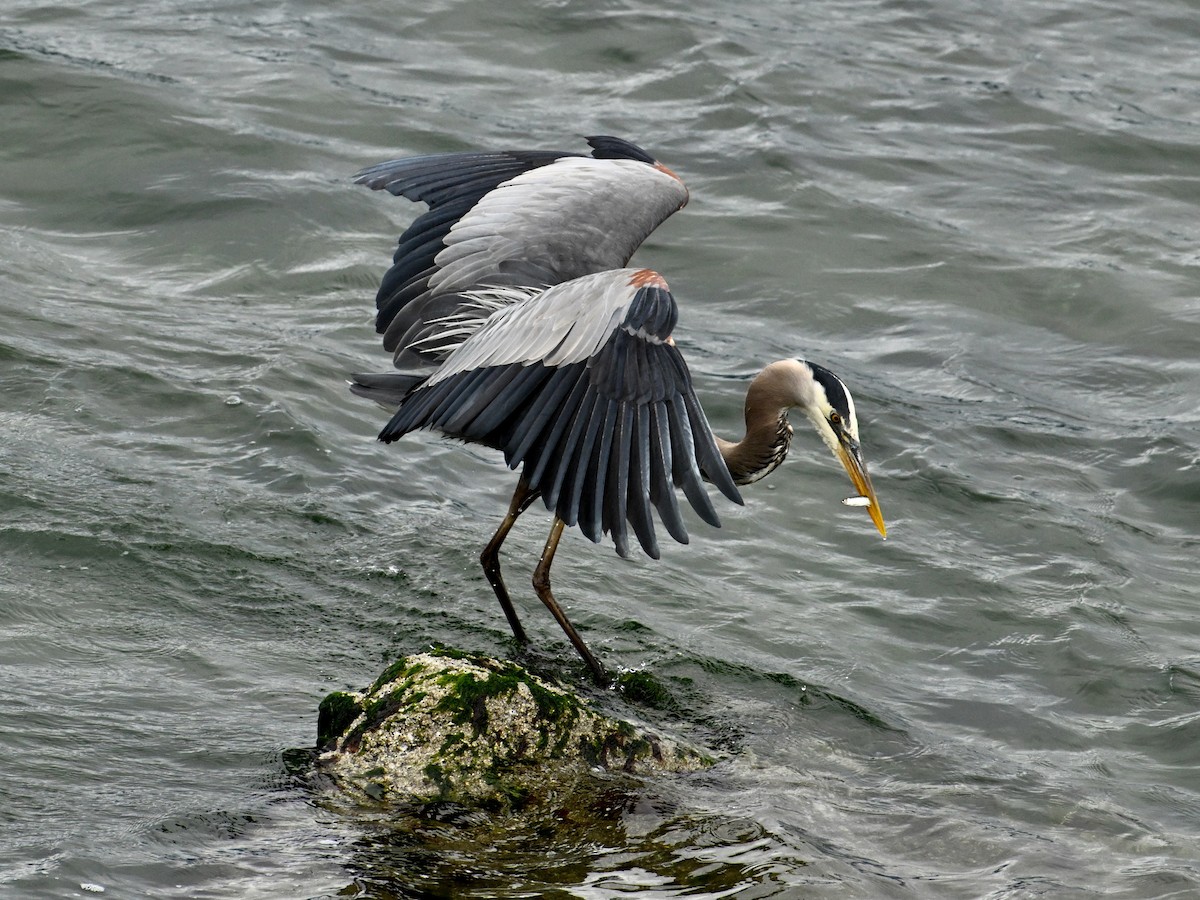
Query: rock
[{"x": 446, "y": 726}]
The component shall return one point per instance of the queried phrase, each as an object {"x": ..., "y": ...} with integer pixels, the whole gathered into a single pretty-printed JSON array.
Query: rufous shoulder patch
[
  {"x": 647, "y": 278},
  {"x": 667, "y": 171},
  {"x": 686, "y": 194}
]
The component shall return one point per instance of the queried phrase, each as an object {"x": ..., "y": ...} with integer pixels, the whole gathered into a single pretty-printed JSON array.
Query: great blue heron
[{"x": 515, "y": 325}]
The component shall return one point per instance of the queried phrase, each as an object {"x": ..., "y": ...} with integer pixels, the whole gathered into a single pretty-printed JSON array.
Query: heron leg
[
  {"x": 541, "y": 584},
  {"x": 490, "y": 557}
]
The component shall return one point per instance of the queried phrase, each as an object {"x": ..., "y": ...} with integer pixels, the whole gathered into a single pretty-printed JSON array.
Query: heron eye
[{"x": 834, "y": 419}]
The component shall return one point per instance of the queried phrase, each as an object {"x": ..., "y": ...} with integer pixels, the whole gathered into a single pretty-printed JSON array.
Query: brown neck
[{"x": 768, "y": 435}]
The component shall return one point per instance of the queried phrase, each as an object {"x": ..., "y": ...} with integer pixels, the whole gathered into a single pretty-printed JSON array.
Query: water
[{"x": 982, "y": 217}]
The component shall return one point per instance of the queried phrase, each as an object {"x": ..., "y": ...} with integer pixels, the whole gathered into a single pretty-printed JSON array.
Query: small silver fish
[{"x": 857, "y": 501}]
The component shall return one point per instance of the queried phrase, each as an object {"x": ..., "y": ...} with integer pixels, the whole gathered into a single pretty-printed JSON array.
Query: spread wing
[
  {"x": 516, "y": 218},
  {"x": 581, "y": 385}
]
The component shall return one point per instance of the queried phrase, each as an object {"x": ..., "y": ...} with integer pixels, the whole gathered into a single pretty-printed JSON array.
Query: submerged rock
[{"x": 444, "y": 726}]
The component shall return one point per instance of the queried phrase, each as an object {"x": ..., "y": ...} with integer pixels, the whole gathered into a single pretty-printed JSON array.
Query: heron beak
[{"x": 851, "y": 457}]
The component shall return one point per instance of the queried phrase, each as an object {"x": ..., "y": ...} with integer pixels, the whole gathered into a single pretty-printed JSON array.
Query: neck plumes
[{"x": 768, "y": 432}]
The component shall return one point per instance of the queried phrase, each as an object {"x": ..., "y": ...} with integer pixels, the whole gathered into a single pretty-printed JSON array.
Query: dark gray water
[{"x": 982, "y": 216}]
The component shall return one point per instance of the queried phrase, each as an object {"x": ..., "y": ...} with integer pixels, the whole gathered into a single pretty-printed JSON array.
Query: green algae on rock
[{"x": 450, "y": 726}]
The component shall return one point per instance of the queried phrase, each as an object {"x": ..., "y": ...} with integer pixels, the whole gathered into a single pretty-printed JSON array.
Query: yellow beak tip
[{"x": 882, "y": 528}]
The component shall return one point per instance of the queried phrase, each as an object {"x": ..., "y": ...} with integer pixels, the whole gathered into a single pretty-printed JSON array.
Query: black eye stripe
[{"x": 835, "y": 391}]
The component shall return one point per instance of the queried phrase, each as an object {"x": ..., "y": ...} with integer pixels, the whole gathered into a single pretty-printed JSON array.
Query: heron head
[{"x": 828, "y": 404}]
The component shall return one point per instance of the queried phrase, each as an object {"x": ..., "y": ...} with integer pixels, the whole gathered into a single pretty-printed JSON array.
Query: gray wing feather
[
  {"x": 514, "y": 218},
  {"x": 560, "y": 325},
  {"x": 606, "y": 432},
  {"x": 573, "y": 217}
]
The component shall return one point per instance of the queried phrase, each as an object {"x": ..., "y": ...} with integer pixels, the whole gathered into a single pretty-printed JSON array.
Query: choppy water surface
[{"x": 983, "y": 217}]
